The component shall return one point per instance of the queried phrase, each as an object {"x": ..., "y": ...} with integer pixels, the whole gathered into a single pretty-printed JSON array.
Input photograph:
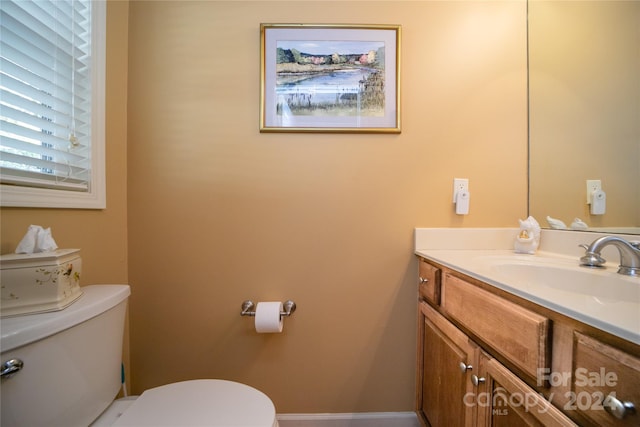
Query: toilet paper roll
[{"x": 268, "y": 318}]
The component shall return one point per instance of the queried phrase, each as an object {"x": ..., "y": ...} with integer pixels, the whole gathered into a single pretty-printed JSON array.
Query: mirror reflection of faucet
[{"x": 629, "y": 254}]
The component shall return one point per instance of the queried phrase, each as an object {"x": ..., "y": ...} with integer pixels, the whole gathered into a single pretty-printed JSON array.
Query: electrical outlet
[
  {"x": 592, "y": 185},
  {"x": 459, "y": 184}
]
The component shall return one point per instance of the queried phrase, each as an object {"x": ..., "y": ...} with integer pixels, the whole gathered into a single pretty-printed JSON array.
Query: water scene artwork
[{"x": 330, "y": 78}]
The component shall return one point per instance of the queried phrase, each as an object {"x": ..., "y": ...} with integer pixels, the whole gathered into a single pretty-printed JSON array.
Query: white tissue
[
  {"x": 28, "y": 243},
  {"x": 37, "y": 239},
  {"x": 45, "y": 242}
]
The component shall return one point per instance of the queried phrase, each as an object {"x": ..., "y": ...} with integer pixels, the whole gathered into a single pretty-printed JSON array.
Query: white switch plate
[
  {"x": 592, "y": 185},
  {"x": 459, "y": 184}
]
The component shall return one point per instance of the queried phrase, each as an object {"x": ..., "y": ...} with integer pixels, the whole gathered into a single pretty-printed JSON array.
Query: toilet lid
[{"x": 214, "y": 403}]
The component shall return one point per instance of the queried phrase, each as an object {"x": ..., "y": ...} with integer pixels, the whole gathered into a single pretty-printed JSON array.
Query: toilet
[{"x": 63, "y": 368}]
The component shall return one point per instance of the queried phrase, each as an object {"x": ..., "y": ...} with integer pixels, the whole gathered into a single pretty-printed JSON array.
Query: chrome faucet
[{"x": 629, "y": 254}]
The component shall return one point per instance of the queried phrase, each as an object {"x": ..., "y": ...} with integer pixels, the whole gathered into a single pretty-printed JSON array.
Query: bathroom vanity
[{"x": 491, "y": 352}]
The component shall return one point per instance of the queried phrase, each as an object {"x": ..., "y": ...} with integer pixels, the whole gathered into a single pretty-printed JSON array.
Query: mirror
[{"x": 584, "y": 111}]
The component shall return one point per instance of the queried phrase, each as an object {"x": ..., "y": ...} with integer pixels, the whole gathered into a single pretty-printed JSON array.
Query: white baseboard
[{"x": 364, "y": 419}]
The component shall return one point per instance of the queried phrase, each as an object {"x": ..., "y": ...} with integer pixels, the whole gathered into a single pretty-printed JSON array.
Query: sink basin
[
  {"x": 599, "y": 296},
  {"x": 606, "y": 286}
]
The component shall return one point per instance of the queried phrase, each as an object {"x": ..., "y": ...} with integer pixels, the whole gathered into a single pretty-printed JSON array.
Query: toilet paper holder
[{"x": 249, "y": 308}]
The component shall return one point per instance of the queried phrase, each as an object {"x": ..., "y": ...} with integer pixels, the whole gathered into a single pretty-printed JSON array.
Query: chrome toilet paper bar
[{"x": 249, "y": 308}]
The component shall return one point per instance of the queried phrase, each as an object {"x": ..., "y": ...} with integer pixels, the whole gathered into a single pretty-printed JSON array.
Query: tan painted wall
[
  {"x": 326, "y": 220},
  {"x": 219, "y": 213},
  {"x": 100, "y": 234}
]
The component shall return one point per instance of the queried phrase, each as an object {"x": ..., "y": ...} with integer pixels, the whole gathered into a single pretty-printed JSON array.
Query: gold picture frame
[{"x": 330, "y": 78}]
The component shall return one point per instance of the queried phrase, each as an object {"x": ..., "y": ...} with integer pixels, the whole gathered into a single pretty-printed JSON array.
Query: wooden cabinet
[
  {"x": 447, "y": 359},
  {"x": 520, "y": 334},
  {"x": 489, "y": 358},
  {"x": 461, "y": 385},
  {"x": 506, "y": 400},
  {"x": 605, "y": 384}
]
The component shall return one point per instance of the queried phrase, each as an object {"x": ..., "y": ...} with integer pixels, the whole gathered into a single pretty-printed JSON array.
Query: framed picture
[{"x": 329, "y": 78}]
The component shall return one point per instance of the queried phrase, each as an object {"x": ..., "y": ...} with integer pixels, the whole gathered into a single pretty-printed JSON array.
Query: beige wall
[
  {"x": 101, "y": 234},
  {"x": 326, "y": 220},
  {"x": 219, "y": 213}
]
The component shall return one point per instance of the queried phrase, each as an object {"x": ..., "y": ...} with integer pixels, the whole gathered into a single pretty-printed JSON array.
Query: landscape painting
[{"x": 329, "y": 78}]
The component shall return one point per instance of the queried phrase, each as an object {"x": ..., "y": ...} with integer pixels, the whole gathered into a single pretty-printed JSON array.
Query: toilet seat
[{"x": 215, "y": 403}]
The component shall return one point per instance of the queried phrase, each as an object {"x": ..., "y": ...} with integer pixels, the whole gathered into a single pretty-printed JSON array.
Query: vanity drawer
[
  {"x": 602, "y": 371},
  {"x": 429, "y": 282},
  {"x": 520, "y": 335}
]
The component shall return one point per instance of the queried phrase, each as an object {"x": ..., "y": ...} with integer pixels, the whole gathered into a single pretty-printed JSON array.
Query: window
[{"x": 52, "y": 68}]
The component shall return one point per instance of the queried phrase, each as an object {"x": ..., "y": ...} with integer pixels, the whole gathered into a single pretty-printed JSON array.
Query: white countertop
[{"x": 614, "y": 309}]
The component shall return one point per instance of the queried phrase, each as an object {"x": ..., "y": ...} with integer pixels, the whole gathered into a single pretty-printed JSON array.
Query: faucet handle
[
  {"x": 635, "y": 244},
  {"x": 591, "y": 259}
]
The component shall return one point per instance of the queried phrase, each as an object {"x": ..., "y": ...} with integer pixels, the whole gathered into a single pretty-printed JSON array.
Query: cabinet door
[
  {"x": 503, "y": 399},
  {"x": 446, "y": 359},
  {"x": 606, "y": 384}
]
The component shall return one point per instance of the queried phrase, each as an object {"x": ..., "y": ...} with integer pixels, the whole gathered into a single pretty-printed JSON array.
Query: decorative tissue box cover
[{"x": 39, "y": 282}]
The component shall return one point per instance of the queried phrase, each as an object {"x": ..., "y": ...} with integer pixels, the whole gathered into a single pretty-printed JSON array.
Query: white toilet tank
[{"x": 71, "y": 360}]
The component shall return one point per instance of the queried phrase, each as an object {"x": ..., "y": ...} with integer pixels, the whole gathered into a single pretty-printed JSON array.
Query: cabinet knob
[
  {"x": 477, "y": 380},
  {"x": 464, "y": 367},
  {"x": 10, "y": 368},
  {"x": 617, "y": 408},
  {"x": 423, "y": 280}
]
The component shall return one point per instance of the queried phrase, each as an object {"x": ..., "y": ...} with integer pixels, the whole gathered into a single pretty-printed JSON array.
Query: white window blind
[{"x": 51, "y": 117}]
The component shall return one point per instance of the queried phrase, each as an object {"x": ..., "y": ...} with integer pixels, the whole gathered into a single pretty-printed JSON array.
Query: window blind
[{"x": 45, "y": 94}]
